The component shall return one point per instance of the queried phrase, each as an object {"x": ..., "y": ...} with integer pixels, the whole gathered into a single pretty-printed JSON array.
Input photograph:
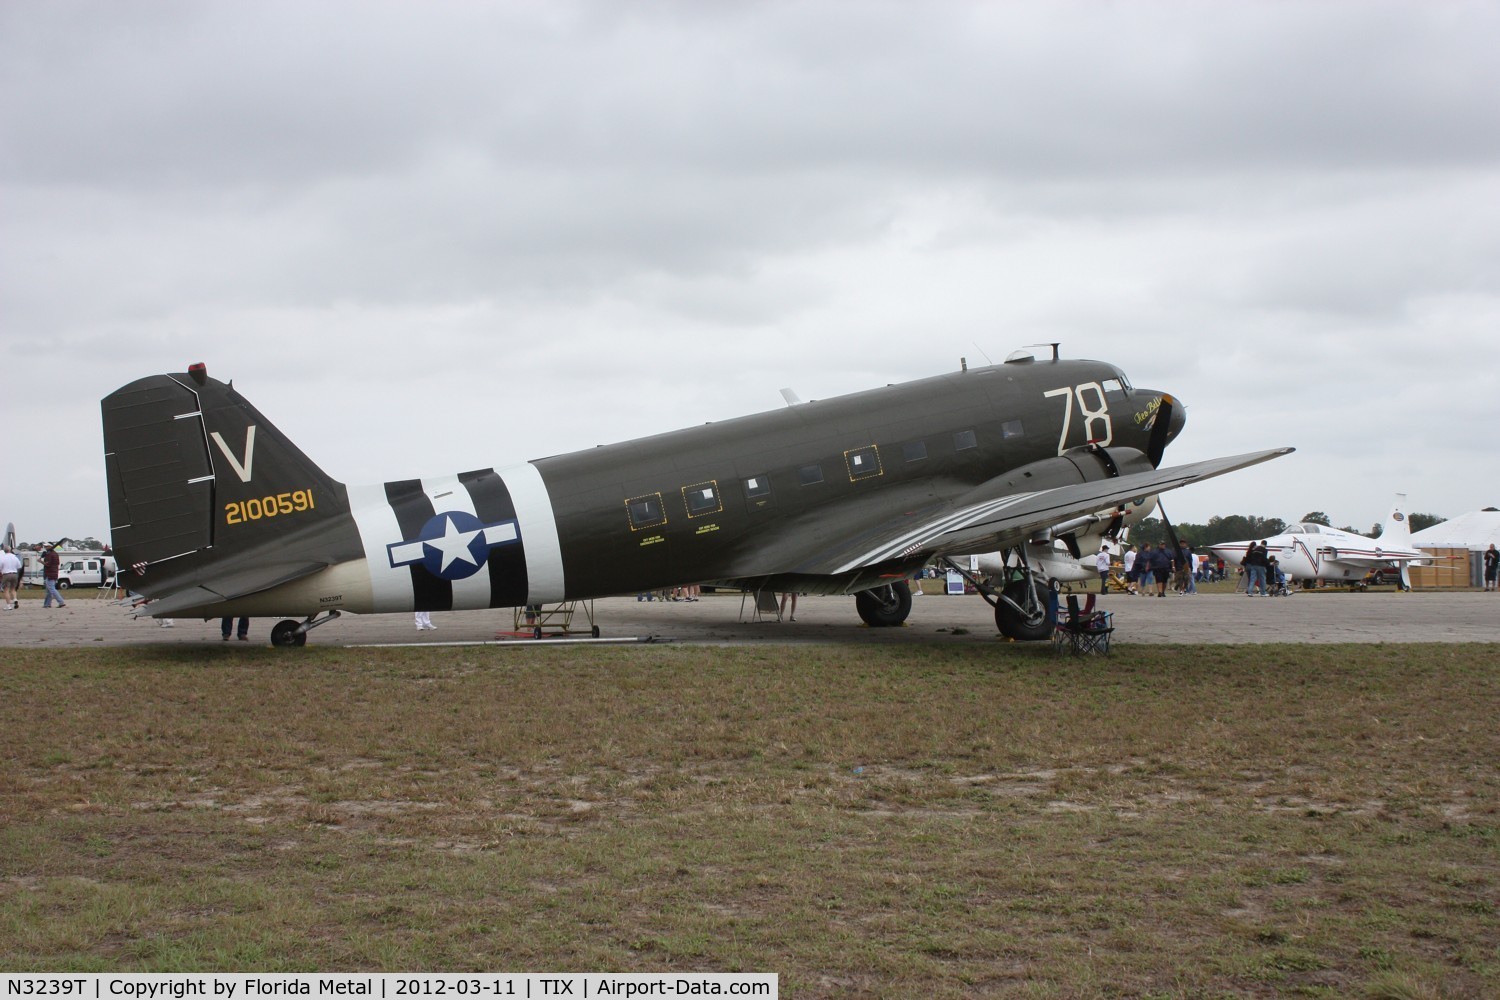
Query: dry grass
[{"x": 865, "y": 821}]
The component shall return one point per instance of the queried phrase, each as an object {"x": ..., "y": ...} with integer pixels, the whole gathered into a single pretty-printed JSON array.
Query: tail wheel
[
  {"x": 884, "y": 607},
  {"x": 1029, "y": 625},
  {"x": 287, "y": 634}
]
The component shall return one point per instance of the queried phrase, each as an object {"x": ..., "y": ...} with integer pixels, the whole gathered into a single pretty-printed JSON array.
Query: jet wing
[
  {"x": 1374, "y": 559},
  {"x": 226, "y": 586},
  {"x": 987, "y": 518}
]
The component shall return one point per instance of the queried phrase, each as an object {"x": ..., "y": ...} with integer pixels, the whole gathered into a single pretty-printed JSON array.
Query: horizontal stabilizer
[{"x": 227, "y": 586}]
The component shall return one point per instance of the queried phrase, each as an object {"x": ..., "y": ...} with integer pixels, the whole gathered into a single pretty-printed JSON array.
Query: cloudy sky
[{"x": 425, "y": 237}]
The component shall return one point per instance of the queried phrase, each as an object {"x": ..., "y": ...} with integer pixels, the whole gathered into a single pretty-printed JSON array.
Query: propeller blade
[
  {"x": 1161, "y": 426},
  {"x": 1171, "y": 531}
]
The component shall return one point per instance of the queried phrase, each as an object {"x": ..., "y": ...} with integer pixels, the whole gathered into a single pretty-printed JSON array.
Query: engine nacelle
[{"x": 1047, "y": 553}]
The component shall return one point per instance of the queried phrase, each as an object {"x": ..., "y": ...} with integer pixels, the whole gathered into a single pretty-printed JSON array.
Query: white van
[{"x": 74, "y": 570}]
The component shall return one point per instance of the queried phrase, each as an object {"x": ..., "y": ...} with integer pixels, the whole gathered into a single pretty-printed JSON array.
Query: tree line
[{"x": 1241, "y": 527}]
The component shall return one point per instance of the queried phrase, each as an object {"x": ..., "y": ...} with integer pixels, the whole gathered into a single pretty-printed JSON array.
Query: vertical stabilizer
[
  {"x": 1397, "y": 530},
  {"x": 206, "y": 494}
]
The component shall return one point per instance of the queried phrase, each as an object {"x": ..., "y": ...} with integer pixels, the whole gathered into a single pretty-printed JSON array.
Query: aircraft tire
[
  {"x": 884, "y": 607},
  {"x": 1016, "y": 625},
  {"x": 285, "y": 634}
]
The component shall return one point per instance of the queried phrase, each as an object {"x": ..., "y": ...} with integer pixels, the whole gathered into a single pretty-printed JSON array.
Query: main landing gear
[
  {"x": 1020, "y": 605},
  {"x": 293, "y": 633},
  {"x": 1021, "y": 611}
]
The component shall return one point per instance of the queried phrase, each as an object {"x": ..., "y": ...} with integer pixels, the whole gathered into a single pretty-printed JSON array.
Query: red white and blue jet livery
[
  {"x": 214, "y": 512},
  {"x": 1318, "y": 552}
]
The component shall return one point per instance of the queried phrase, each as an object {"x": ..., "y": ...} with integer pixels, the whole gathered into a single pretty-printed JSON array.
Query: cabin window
[
  {"x": 702, "y": 499},
  {"x": 863, "y": 463},
  {"x": 758, "y": 486},
  {"x": 1012, "y": 429},
  {"x": 914, "y": 451},
  {"x": 646, "y": 511},
  {"x": 964, "y": 440},
  {"x": 809, "y": 475}
]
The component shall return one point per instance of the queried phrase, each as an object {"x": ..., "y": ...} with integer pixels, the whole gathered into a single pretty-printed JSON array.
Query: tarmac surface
[{"x": 1319, "y": 617}]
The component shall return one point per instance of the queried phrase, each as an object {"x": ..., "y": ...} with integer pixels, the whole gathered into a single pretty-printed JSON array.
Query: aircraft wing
[
  {"x": 988, "y": 518},
  {"x": 1374, "y": 559}
]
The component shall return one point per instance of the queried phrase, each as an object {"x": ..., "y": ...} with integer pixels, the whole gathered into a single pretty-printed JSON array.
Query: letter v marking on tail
[{"x": 243, "y": 471}]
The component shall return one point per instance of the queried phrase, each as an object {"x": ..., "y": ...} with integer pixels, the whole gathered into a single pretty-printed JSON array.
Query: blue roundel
[{"x": 454, "y": 546}]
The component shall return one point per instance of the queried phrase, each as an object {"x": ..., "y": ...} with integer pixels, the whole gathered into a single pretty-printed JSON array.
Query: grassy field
[{"x": 1170, "y": 821}]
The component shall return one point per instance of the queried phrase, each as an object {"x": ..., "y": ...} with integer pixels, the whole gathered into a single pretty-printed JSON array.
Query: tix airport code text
[{"x": 238, "y": 986}]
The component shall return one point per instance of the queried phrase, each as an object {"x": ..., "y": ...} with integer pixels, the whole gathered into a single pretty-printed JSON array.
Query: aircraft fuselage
[{"x": 706, "y": 503}]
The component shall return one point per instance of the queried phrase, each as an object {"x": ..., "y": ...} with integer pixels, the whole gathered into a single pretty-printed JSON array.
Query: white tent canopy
[{"x": 1474, "y": 531}]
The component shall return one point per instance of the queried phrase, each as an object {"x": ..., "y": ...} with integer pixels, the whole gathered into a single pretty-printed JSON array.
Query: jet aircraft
[
  {"x": 214, "y": 512},
  {"x": 1317, "y": 552}
]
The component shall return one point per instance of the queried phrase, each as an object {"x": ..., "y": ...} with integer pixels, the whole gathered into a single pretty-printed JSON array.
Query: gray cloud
[{"x": 438, "y": 237}]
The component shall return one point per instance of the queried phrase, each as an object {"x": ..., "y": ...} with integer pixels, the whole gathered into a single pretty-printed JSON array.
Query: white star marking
[{"x": 454, "y": 544}]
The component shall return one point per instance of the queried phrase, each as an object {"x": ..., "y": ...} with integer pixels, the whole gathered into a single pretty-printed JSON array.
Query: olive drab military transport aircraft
[{"x": 214, "y": 512}]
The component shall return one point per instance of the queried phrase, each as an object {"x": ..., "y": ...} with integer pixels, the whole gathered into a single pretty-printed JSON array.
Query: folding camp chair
[{"x": 1083, "y": 630}]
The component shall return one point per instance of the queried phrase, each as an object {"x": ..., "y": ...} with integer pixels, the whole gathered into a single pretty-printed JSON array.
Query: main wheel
[
  {"x": 286, "y": 634},
  {"x": 1023, "y": 627},
  {"x": 886, "y": 606}
]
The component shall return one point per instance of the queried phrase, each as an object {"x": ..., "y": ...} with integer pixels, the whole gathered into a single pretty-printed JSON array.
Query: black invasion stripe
[
  {"x": 507, "y": 563},
  {"x": 413, "y": 509}
]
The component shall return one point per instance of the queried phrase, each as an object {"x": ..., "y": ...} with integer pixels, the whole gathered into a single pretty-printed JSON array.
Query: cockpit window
[{"x": 1114, "y": 387}]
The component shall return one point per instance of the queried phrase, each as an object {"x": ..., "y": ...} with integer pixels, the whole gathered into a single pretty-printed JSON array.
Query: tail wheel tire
[
  {"x": 884, "y": 607},
  {"x": 286, "y": 634},
  {"x": 1023, "y": 627}
]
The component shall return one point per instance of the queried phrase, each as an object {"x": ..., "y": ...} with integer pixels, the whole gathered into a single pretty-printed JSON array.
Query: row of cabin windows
[{"x": 649, "y": 510}]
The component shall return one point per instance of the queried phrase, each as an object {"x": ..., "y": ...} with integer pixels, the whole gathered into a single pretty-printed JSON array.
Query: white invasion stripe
[
  {"x": 932, "y": 529},
  {"x": 390, "y": 587},
  {"x": 544, "y": 568},
  {"x": 447, "y": 494}
]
